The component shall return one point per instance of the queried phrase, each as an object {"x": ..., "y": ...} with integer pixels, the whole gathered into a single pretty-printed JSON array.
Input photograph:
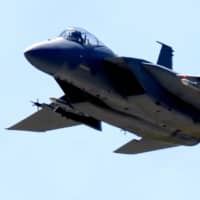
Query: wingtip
[
  {"x": 122, "y": 150},
  {"x": 10, "y": 129},
  {"x": 117, "y": 152}
]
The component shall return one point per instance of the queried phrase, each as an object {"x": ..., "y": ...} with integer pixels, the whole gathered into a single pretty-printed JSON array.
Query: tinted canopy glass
[{"x": 81, "y": 36}]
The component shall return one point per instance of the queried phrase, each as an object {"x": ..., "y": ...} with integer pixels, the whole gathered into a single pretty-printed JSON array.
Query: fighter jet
[{"x": 150, "y": 100}]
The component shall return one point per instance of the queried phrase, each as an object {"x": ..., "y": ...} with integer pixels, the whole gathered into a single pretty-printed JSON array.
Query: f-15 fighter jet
[{"x": 149, "y": 100}]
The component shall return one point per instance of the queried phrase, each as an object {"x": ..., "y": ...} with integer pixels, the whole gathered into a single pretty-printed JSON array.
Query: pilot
[{"x": 77, "y": 36}]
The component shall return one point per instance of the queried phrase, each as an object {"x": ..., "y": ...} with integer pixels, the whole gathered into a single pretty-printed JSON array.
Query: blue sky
[{"x": 78, "y": 163}]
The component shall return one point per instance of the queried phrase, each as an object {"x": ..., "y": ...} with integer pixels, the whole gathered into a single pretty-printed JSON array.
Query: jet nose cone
[
  {"x": 30, "y": 54},
  {"x": 46, "y": 56},
  {"x": 39, "y": 55},
  {"x": 36, "y": 56}
]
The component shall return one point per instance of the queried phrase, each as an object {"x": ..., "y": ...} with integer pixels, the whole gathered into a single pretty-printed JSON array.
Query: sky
[{"x": 79, "y": 163}]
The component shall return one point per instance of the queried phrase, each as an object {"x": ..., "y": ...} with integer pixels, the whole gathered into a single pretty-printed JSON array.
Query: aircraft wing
[
  {"x": 43, "y": 120},
  {"x": 52, "y": 117},
  {"x": 143, "y": 145},
  {"x": 55, "y": 116},
  {"x": 173, "y": 82}
]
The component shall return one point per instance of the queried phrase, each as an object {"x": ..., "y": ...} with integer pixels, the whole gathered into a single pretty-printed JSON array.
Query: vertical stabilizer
[{"x": 165, "y": 56}]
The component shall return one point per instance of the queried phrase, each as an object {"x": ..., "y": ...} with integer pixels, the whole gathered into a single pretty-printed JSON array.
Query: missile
[
  {"x": 65, "y": 106},
  {"x": 56, "y": 101},
  {"x": 61, "y": 103},
  {"x": 41, "y": 105}
]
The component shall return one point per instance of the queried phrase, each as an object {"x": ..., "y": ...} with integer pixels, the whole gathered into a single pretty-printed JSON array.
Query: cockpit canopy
[{"x": 80, "y": 36}]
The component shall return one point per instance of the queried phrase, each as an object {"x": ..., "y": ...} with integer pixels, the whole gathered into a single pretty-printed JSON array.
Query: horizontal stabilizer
[
  {"x": 43, "y": 120},
  {"x": 143, "y": 145}
]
